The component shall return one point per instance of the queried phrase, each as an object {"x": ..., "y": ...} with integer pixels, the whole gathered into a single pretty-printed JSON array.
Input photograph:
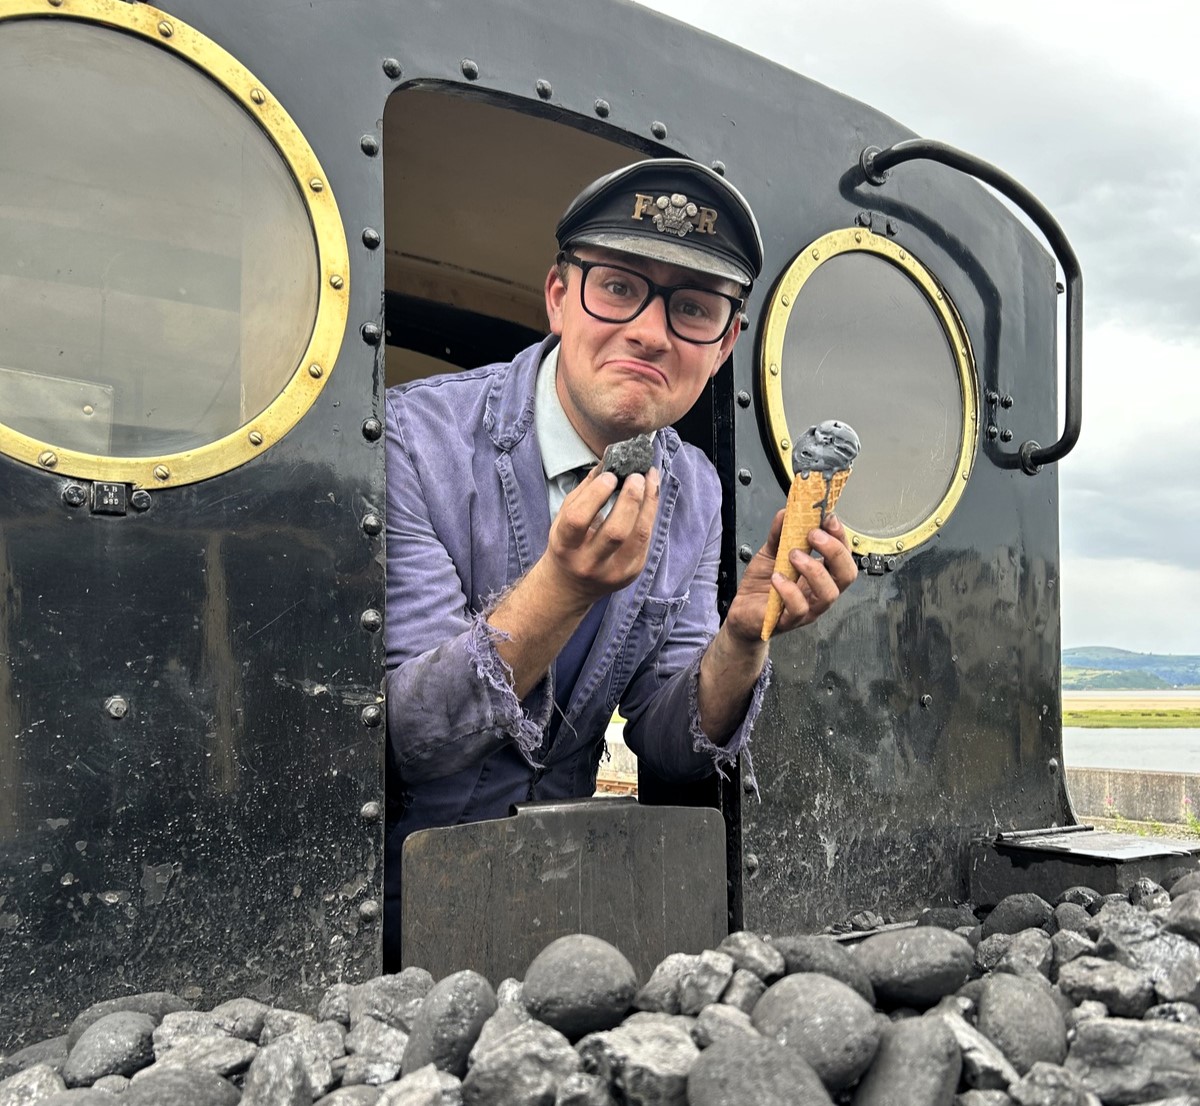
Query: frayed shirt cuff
[
  {"x": 725, "y": 756},
  {"x": 524, "y": 721}
]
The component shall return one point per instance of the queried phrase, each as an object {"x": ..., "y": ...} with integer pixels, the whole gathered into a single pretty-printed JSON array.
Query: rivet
[
  {"x": 903, "y": 256},
  {"x": 371, "y": 716},
  {"x": 544, "y": 89},
  {"x": 369, "y": 911},
  {"x": 718, "y": 167},
  {"x": 773, "y": 370},
  {"x": 863, "y": 218},
  {"x": 858, "y": 236},
  {"x": 257, "y": 95},
  {"x": 372, "y": 429},
  {"x": 926, "y": 702},
  {"x": 1052, "y": 764},
  {"x": 816, "y": 254},
  {"x": 939, "y": 295},
  {"x": 747, "y": 787},
  {"x": 752, "y": 863},
  {"x": 659, "y": 130},
  {"x": 370, "y": 620},
  {"x": 745, "y": 476},
  {"x": 993, "y": 397},
  {"x": 89, "y": 410},
  {"x": 371, "y": 334},
  {"x": 140, "y": 499},
  {"x": 1006, "y": 401},
  {"x": 369, "y": 145},
  {"x": 892, "y": 228},
  {"x": 745, "y": 554},
  {"x": 161, "y": 472},
  {"x": 890, "y": 564},
  {"x": 785, "y": 443},
  {"x": 391, "y": 67},
  {"x": 315, "y": 371},
  {"x": 47, "y": 458},
  {"x": 854, "y": 541},
  {"x": 255, "y": 438},
  {"x": 372, "y": 523},
  {"x": 785, "y": 300},
  {"x": 74, "y": 496},
  {"x": 470, "y": 70},
  {"x": 992, "y": 432},
  {"x": 165, "y": 29},
  {"x": 316, "y": 184},
  {"x": 370, "y": 812},
  {"x": 743, "y": 398},
  {"x": 965, "y": 475},
  {"x": 337, "y": 281},
  {"x": 1006, "y": 435},
  {"x": 370, "y": 238},
  {"x": 116, "y": 706},
  {"x": 601, "y": 108},
  {"x": 900, "y": 546},
  {"x": 56, "y": 3},
  {"x": 938, "y": 521}
]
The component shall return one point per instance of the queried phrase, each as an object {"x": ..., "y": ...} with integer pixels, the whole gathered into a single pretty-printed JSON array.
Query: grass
[
  {"x": 1118, "y": 823},
  {"x": 1171, "y": 718}
]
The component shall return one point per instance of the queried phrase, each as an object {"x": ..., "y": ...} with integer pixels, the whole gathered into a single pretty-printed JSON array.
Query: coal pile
[{"x": 1089, "y": 999}]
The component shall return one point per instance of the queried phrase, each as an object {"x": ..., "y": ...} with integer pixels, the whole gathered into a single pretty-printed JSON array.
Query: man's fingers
[
  {"x": 581, "y": 508},
  {"x": 832, "y": 543}
]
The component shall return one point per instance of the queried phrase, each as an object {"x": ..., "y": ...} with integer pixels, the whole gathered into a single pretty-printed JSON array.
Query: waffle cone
[{"x": 812, "y": 497}]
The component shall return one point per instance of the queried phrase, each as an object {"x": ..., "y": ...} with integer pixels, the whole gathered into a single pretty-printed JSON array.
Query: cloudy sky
[{"x": 1096, "y": 110}]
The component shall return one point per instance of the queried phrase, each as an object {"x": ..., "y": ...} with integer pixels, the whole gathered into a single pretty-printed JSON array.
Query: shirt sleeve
[
  {"x": 450, "y": 701},
  {"x": 662, "y": 703}
]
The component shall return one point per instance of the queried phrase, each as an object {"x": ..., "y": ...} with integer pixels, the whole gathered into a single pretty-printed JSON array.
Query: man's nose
[{"x": 650, "y": 326}]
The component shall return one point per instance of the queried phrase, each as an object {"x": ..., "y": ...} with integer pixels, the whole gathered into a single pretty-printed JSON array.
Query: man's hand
[
  {"x": 588, "y": 556},
  {"x": 820, "y": 583}
]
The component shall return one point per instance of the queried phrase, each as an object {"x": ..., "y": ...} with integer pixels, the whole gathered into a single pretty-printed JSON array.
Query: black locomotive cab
[{"x": 225, "y": 229}]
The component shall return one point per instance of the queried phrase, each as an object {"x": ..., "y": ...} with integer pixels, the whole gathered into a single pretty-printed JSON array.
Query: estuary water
[{"x": 1166, "y": 750}]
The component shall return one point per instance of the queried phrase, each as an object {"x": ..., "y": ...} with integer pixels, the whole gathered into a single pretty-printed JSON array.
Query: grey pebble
[
  {"x": 705, "y": 981},
  {"x": 826, "y": 956},
  {"x": 279, "y": 1023},
  {"x": 1182, "y": 1013},
  {"x": 448, "y": 1023},
  {"x": 1051, "y": 1085},
  {"x": 119, "y": 1043},
  {"x": 915, "y": 967},
  {"x": 427, "y": 1086},
  {"x": 751, "y": 953},
  {"x": 982, "y": 1098},
  {"x": 1183, "y": 916},
  {"x": 990, "y": 951},
  {"x": 335, "y": 1004},
  {"x": 506, "y": 1018},
  {"x": 918, "y": 1064},
  {"x": 661, "y": 992},
  {"x": 1189, "y": 882},
  {"x": 1019, "y": 1016},
  {"x": 1125, "y": 993},
  {"x": 758, "y": 1071},
  {"x": 158, "y": 1086},
  {"x": 156, "y": 1004},
  {"x": 51, "y": 1052},
  {"x": 1140, "y": 941},
  {"x": 220, "y": 1055},
  {"x": 350, "y": 1096},
  {"x": 833, "y": 1028},
  {"x": 985, "y": 1067},
  {"x": 277, "y": 1077},
  {"x": 370, "y": 1071},
  {"x": 373, "y": 1038},
  {"x": 23, "y": 1088},
  {"x": 1067, "y": 945},
  {"x": 1069, "y": 916},
  {"x": 580, "y": 984},
  {"x": 113, "y": 1084},
  {"x": 583, "y": 1089},
  {"x": 525, "y": 1066},
  {"x": 743, "y": 992},
  {"x": 649, "y": 1062},
  {"x": 1127, "y": 1061},
  {"x": 720, "y": 1022},
  {"x": 1014, "y": 913},
  {"x": 630, "y": 456},
  {"x": 241, "y": 1017},
  {"x": 392, "y": 999},
  {"x": 1028, "y": 953},
  {"x": 1079, "y": 895},
  {"x": 1144, "y": 892},
  {"x": 947, "y": 917}
]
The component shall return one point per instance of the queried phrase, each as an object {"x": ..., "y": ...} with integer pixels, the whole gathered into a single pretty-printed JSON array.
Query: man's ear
[
  {"x": 556, "y": 293},
  {"x": 726, "y": 344}
]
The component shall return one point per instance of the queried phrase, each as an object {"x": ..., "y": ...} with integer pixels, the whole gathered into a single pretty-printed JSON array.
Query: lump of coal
[{"x": 630, "y": 456}]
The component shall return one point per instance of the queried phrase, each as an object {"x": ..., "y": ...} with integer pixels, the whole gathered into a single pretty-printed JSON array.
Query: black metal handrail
[{"x": 875, "y": 165}]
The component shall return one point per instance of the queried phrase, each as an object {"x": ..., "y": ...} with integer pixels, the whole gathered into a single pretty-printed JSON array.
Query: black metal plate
[{"x": 492, "y": 895}]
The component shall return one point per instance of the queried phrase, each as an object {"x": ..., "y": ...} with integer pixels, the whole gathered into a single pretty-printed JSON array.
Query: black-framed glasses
[{"x": 614, "y": 294}]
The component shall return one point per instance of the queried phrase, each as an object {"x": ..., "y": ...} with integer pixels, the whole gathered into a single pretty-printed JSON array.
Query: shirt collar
[{"x": 562, "y": 448}]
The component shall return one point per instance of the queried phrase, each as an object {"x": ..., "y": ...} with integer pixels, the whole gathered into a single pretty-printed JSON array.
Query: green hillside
[{"x": 1106, "y": 668}]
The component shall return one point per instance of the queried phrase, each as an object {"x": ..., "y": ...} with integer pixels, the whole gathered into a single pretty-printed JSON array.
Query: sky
[{"x": 1094, "y": 107}]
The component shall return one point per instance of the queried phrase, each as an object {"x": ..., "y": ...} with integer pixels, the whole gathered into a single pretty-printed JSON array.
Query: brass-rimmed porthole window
[
  {"x": 858, "y": 329},
  {"x": 173, "y": 269}
]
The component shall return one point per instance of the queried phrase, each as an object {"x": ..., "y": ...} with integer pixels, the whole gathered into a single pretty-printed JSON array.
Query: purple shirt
[{"x": 467, "y": 516}]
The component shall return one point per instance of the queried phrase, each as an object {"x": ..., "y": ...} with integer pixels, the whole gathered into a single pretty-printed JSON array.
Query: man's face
[{"x": 616, "y": 380}]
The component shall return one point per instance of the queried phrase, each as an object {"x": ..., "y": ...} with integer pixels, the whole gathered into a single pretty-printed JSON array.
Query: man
[{"x": 524, "y": 607}]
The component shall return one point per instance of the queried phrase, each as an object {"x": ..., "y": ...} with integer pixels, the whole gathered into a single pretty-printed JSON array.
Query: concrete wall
[{"x": 1140, "y": 796}]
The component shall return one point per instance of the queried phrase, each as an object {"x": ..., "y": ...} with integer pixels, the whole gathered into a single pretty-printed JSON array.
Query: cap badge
[{"x": 675, "y": 214}]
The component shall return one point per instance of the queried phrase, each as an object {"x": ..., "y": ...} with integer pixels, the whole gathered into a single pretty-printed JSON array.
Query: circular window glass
[
  {"x": 861, "y": 333},
  {"x": 159, "y": 276}
]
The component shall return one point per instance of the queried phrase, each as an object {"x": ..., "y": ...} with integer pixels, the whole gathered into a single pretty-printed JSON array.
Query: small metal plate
[
  {"x": 1102, "y": 845},
  {"x": 491, "y": 895}
]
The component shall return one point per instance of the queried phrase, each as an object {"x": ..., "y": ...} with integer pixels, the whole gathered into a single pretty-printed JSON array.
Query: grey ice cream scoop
[{"x": 827, "y": 447}]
